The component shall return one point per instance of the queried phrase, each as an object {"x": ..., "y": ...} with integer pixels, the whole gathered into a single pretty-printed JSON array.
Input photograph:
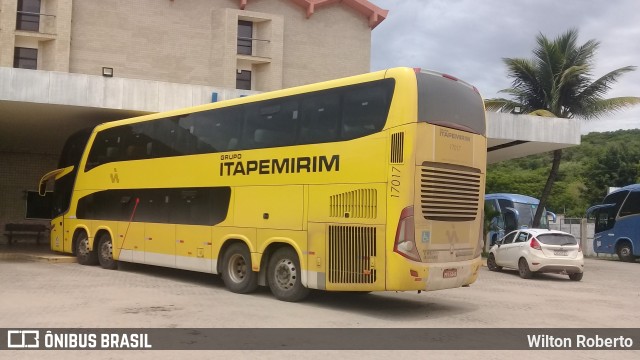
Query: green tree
[
  {"x": 557, "y": 82},
  {"x": 617, "y": 166}
]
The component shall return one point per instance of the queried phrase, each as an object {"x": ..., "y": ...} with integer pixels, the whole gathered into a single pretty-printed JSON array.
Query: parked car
[{"x": 538, "y": 251}]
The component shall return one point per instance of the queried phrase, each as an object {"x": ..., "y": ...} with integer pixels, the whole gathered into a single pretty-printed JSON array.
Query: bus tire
[
  {"x": 523, "y": 269},
  {"x": 237, "y": 272},
  {"x": 284, "y": 276},
  {"x": 105, "y": 252},
  {"x": 625, "y": 253},
  {"x": 85, "y": 256}
]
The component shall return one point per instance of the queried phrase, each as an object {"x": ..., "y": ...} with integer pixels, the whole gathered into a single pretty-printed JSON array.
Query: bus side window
[
  {"x": 270, "y": 124},
  {"x": 602, "y": 221},
  {"x": 320, "y": 118},
  {"x": 364, "y": 111},
  {"x": 199, "y": 206},
  {"x": 108, "y": 146},
  {"x": 218, "y": 129},
  {"x": 154, "y": 206}
]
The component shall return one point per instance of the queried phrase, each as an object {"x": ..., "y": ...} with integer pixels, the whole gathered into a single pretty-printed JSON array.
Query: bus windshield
[{"x": 527, "y": 212}]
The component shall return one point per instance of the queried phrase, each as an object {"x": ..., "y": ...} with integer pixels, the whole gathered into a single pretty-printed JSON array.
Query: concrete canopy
[{"x": 512, "y": 136}]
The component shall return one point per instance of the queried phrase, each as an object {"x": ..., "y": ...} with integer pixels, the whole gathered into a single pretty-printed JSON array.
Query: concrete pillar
[{"x": 583, "y": 237}]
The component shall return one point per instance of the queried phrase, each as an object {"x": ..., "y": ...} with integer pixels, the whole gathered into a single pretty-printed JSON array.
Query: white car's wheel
[
  {"x": 491, "y": 263},
  {"x": 523, "y": 269}
]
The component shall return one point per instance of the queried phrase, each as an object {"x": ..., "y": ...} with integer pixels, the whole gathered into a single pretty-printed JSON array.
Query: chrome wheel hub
[
  {"x": 83, "y": 247},
  {"x": 237, "y": 268},
  {"x": 285, "y": 274},
  {"x": 106, "y": 250}
]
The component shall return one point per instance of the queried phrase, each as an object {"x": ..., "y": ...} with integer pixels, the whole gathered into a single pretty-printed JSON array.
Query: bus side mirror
[{"x": 551, "y": 217}]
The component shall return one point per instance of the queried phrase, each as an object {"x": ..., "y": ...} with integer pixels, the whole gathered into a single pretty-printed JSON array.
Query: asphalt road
[{"x": 69, "y": 295}]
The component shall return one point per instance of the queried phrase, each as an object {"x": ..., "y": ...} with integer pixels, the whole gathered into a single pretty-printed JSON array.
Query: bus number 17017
[{"x": 395, "y": 182}]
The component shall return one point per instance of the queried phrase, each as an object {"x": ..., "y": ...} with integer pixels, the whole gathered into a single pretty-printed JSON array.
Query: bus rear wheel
[
  {"x": 85, "y": 256},
  {"x": 284, "y": 276},
  {"x": 105, "y": 253},
  {"x": 237, "y": 272},
  {"x": 625, "y": 253}
]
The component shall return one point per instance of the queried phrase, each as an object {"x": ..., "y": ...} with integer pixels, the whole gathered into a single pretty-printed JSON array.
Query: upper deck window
[{"x": 335, "y": 114}]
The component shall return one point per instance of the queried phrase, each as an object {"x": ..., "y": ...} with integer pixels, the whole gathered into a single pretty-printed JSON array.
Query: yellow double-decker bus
[{"x": 368, "y": 183}]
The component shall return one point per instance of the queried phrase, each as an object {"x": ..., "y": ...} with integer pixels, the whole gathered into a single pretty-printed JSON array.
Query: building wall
[
  {"x": 335, "y": 42},
  {"x": 194, "y": 41}
]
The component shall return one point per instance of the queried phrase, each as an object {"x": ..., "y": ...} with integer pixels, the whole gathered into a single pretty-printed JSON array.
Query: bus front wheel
[
  {"x": 237, "y": 272},
  {"x": 85, "y": 256},
  {"x": 105, "y": 253},
  {"x": 284, "y": 276},
  {"x": 625, "y": 253}
]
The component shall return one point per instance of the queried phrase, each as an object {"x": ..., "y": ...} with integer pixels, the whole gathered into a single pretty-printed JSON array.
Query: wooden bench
[{"x": 13, "y": 230}]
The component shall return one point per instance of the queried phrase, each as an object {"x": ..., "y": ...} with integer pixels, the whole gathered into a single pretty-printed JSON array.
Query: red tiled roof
[{"x": 375, "y": 14}]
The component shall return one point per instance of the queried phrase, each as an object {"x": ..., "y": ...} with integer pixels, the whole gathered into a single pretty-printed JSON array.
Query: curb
[{"x": 55, "y": 259}]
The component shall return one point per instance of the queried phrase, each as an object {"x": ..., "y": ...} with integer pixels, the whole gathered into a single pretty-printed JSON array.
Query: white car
[{"x": 538, "y": 251}]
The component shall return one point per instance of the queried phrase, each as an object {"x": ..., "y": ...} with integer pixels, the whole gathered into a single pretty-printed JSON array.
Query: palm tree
[{"x": 557, "y": 82}]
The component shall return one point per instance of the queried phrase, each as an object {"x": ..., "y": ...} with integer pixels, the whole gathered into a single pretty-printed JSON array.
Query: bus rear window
[{"x": 450, "y": 103}]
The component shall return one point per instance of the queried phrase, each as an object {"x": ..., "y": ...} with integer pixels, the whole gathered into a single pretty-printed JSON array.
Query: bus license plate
[
  {"x": 449, "y": 273},
  {"x": 560, "y": 252}
]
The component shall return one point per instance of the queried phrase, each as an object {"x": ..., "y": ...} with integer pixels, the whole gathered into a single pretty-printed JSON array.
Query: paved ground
[{"x": 61, "y": 294}]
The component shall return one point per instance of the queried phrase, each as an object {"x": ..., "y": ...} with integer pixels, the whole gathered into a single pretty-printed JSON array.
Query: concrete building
[{"x": 66, "y": 65}]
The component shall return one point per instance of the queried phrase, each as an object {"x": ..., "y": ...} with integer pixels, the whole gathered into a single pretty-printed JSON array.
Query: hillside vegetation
[{"x": 586, "y": 172}]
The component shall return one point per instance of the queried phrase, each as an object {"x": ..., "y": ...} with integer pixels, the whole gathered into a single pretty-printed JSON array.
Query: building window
[
  {"x": 25, "y": 58},
  {"x": 243, "y": 80},
  {"x": 28, "y": 15},
  {"x": 245, "y": 36}
]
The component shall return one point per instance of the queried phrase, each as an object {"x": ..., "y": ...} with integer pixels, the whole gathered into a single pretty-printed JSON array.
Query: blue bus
[
  {"x": 514, "y": 211},
  {"x": 618, "y": 223}
]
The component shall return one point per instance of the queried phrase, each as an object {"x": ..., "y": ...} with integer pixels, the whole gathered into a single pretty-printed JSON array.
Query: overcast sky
[{"x": 469, "y": 38}]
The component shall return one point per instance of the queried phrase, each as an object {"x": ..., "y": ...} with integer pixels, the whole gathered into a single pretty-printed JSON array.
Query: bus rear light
[
  {"x": 405, "y": 243},
  {"x": 535, "y": 244}
]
